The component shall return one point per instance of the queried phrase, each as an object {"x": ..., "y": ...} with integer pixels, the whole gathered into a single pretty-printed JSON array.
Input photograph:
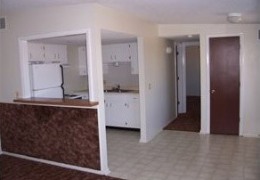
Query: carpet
[
  {"x": 189, "y": 121},
  {"x": 12, "y": 168}
]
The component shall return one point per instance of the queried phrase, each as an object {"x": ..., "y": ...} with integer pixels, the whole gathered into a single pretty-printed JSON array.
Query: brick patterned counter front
[{"x": 62, "y": 134}]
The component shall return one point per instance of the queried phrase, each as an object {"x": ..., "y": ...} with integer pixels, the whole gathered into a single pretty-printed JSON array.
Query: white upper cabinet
[
  {"x": 133, "y": 56},
  {"x": 47, "y": 53},
  {"x": 122, "y": 52},
  {"x": 61, "y": 51},
  {"x": 115, "y": 53},
  {"x": 36, "y": 52},
  {"x": 50, "y": 52},
  {"x": 82, "y": 55}
]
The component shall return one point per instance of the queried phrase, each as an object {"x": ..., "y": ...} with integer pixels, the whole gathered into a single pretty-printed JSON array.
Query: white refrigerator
[{"x": 47, "y": 80}]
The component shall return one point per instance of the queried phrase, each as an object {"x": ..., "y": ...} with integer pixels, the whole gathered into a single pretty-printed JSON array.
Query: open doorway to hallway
[{"x": 187, "y": 67}]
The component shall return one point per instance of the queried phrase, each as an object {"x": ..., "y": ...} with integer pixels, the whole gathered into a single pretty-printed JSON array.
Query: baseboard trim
[
  {"x": 251, "y": 135},
  {"x": 67, "y": 166}
]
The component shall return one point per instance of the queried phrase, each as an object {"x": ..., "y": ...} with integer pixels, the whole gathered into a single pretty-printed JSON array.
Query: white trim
[
  {"x": 24, "y": 67},
  {"x": 90, "y": 65},
  {"x": 23, "y": 49},
  {"x": 67, "y": 166},
  {"x": 54, "y": 34},
  {"x": 251, "y": 135},
  {"x": 175, "y": 79},
  {"x": 181, "y": 83},
  {"x": 241, "y": 78},
  {"x": 141, "y": 64},
  {"x": 181, "y": 73}
]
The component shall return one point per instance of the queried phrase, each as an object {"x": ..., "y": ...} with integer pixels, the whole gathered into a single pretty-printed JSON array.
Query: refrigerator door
[
  {"x": 46, "y": 76},
  {"x": 49, "y": 93}
]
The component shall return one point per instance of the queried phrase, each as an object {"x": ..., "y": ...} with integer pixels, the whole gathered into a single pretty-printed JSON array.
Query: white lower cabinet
[{"x": 122, "y": 110}]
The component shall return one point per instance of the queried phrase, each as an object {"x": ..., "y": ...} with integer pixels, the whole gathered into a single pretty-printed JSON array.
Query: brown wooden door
[{"x": 224, "y": 85}]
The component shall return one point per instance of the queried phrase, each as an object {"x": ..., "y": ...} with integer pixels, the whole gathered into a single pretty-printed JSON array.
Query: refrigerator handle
[{"x": 62, "y": 81}]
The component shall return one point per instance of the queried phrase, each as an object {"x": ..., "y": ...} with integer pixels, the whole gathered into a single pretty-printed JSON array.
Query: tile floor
[{"x": 183, "y": 155}]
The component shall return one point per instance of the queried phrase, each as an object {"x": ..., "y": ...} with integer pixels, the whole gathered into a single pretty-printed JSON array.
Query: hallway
[{"x": 189, "y": 121}]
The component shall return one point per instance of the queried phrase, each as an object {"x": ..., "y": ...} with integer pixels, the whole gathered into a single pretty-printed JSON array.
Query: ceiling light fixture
[{"x": 234, "y": 17}]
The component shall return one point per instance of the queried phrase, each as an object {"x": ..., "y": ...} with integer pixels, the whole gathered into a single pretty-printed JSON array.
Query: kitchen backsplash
[{"x": 121, "y": 75}]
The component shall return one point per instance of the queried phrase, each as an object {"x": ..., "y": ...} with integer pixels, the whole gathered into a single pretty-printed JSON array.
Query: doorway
[
  {"x": 187, "y": 58},
  {"x": 224, "y": 85}
]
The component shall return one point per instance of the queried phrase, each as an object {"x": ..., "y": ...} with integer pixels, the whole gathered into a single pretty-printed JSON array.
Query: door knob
[{"x": 213, "y": 91}]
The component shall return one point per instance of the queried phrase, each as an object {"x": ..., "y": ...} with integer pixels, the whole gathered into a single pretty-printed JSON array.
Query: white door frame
[
  {"x": 241, "y": 95},
  {"x": 181, "y": 77},
  {"x": 181, "y": 74},
  {"x": 24, "y": 59}
]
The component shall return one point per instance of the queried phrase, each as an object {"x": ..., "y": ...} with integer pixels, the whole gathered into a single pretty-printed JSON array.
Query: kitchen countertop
[{"x": 57, "y": 102}]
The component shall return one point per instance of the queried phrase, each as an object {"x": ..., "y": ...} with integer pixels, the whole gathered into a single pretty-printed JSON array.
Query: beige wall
[
  {"x": 159, "y": 85},
  {"x": 250, "y": 82},
  {"x": 33, "y": 22}
]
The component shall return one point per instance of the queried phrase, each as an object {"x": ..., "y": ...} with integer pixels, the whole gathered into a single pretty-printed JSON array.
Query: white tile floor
[{"x": 183, "y": 155}]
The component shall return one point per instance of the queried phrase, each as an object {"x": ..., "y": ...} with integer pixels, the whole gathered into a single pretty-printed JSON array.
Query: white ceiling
[{"x": 161, "y": 11}]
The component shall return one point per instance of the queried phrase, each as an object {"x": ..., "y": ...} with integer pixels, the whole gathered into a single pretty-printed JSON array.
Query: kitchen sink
[{"x": 117, "y": 90}]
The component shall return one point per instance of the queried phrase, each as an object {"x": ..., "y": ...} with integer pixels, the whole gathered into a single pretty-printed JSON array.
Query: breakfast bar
[{"x": 58, "y": 130}]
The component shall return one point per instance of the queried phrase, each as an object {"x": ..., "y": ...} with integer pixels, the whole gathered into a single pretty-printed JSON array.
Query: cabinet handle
[{"x": 126, "y": 123}]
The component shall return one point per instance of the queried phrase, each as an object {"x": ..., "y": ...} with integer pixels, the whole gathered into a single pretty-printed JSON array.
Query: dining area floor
[{"x": 179, "y": 155}]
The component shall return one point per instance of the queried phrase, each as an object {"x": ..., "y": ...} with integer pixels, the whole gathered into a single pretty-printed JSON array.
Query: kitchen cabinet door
[
  {"x": 122, "y": 52},
  {"x": 107, "y": 53},
  {"x": 115, "y": 53},
  {"x": 36, "y": 52},
  {"x": 133, "y": 118},
  {"x": 114, "y": 111},
  {"x": 50, "y": 52},
  {"x": 82, "y": 57},
  {"x": 122, "y": 110},
  {"x": 61, "y": 53},
  {"x": 133, "y": 54}
]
